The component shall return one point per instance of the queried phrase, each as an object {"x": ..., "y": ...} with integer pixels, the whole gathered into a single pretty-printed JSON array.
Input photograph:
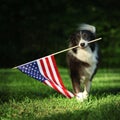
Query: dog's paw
[{"x": 81, "y": 96}]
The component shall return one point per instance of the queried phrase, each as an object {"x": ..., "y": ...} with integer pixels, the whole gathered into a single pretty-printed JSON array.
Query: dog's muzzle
[{"x": 83, "y": 44}]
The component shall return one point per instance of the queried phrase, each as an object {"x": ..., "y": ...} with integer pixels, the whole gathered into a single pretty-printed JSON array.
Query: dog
[{"x": 83, "y": 61}]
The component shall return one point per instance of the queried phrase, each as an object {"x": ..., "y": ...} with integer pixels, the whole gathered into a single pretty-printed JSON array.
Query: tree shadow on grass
[
  {"x": 5, "y": 96},
  {"x": 106, "y": 88},
  {"x": 105, "y": 91},
  {"x": 104, "y": 111},
  {"x": 18, "y": 94},
  {"x": 14, "y": 85}
]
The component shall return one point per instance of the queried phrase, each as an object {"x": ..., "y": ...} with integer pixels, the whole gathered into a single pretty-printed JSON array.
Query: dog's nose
[{"x": 82, "y": 44}]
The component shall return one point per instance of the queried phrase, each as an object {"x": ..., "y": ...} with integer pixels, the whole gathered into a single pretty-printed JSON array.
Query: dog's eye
[
  {"x": 85, "y": 36},
  {"x": 78, "y": 36}
]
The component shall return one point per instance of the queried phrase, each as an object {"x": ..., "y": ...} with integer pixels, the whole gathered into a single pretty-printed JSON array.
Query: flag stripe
[
  {"x": 56, "y": 87},
  {"x": 57, "y": 72},
  {"x": 45, "y": 70},
  {"x": 60, "y": 83},
  {"x": 50, "y": 70},
  {"x": 48, "y": 75},
  {"x": 41, "y": 67},
  {"x": 49, "y": 67},
  {"x": 56, "y": 77},
  {"x": 45, "y": 74}
]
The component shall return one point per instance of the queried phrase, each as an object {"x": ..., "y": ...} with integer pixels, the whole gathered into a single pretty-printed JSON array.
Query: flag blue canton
[{"x": 32, "y": 70}]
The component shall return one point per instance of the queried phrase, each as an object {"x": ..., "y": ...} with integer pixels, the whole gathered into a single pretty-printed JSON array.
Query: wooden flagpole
[
  {"x": 75, "y": 46},
  {"x": 63, "y": 51}
]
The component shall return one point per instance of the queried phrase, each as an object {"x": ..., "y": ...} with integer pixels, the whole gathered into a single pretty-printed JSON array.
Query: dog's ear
[
  {"x": 72, "y": 37},
  {"x": 72, "y": 40},
  {"x": 88, "y": 27}
]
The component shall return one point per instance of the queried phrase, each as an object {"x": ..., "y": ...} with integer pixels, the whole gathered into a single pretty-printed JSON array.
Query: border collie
[{"x": 82, "y": 61}]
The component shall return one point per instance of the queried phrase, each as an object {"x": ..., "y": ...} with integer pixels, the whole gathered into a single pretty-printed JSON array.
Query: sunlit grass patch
[{"x": 22, "y": 97}]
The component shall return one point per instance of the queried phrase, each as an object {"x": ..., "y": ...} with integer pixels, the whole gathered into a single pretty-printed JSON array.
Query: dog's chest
[{"x": 87, "y": 56}]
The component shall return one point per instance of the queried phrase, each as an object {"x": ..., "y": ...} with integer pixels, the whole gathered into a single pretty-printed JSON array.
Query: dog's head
[{"x": 84, "y": 34}]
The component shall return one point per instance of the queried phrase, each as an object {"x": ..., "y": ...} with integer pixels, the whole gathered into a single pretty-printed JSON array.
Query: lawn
[{"x": 23, "y": 98}]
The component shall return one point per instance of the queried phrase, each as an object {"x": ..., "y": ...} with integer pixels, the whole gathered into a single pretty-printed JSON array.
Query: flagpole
[
  {"x": 75, "y": 46},
  {"x": 94, "y": 40},
  {"x": 65, "y": 50},
  {"x": 62, "y": 51}
]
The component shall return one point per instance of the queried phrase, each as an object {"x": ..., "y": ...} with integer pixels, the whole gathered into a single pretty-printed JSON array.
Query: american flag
[{"x": 46, "y": 71}]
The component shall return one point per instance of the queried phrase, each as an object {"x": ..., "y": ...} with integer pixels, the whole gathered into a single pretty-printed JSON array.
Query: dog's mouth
[{"x": 83, "y": 45}]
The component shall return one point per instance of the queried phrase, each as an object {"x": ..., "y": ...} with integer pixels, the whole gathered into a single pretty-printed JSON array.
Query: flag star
[
  {"x": 26, "y": 68},
  {"x": 32, "y": 70}
]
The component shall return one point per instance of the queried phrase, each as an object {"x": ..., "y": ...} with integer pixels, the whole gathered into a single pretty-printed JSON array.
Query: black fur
[{"x": 76, "y": 66}]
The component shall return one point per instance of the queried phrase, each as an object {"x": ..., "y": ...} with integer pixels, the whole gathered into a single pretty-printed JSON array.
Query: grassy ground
[{"x": 23, "y": 98}]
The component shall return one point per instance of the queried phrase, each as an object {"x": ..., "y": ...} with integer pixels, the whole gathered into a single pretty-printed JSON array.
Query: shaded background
[{"x": 30, "y": 29}]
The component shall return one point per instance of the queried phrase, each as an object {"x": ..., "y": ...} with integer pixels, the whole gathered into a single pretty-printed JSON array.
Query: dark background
[{"x": 30, "y": 29}]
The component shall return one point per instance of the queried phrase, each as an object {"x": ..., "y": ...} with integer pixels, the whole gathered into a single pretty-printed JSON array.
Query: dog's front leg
[
  {"x": 86, "y": 88},
  {"x": 84, "y": 95},
  {"x": 76, "y": 85},
  {"x": 75, "y": 81}
]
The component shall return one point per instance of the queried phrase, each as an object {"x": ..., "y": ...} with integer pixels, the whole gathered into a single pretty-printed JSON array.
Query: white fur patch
[
  {"x": 81, "y": 96},
  {"x": 87, "y": 27},
  {"x": 86, "y": 55},
  {"x": 83, "y": 41}
]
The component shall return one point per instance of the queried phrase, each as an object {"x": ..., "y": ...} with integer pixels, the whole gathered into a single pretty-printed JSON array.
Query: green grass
[{"x": 23, "y": 98}]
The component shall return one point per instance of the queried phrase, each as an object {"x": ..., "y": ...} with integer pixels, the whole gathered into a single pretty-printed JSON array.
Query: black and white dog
[{"x": 83, "y": 61}]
